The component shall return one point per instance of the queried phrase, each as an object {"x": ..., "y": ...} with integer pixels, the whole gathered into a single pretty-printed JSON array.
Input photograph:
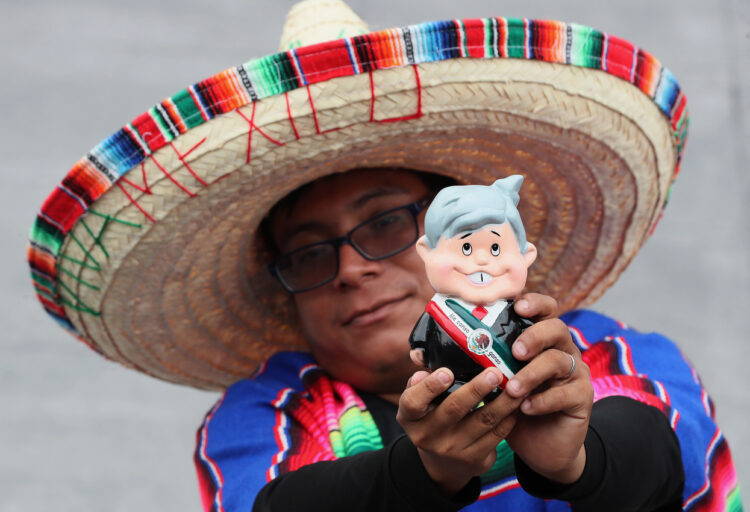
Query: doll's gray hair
[{"x": 462, "y": 208}]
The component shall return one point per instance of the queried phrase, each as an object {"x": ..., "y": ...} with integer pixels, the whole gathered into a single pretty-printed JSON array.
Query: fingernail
[
  {"x": 514, "y": 386},
  {"x": 492, "y": 379},
  {"x": 522, "y": 304},
  {"x": 526, "y": 405},
  {"x": 444, "y": 377},
  {"x": 519, "y": 348}
]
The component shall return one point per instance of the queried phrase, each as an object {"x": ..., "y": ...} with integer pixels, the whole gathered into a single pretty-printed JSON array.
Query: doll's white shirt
[{"x": 493, "y": 310}]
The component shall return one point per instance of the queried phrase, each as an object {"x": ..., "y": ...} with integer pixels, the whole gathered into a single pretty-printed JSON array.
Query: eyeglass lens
[{"x": 379, "y": 237}]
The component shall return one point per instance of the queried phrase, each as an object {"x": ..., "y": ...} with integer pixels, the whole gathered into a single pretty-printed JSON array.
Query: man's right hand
[{"x": 455, "y": 441}]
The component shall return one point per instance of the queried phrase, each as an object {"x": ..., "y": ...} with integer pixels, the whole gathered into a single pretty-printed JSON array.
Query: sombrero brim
[{"x": 147, "y": 250}]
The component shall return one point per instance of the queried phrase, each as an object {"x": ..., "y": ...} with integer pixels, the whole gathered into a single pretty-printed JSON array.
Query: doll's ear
[
  {"x": 530, "y": 255},
  {"x": 422, "y": 248}
]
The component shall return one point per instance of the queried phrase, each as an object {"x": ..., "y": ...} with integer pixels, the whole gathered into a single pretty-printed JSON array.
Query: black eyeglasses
[{"x": 379, "y": 237}]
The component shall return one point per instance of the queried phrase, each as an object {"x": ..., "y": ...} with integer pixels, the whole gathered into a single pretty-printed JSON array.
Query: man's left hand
[{"x": 549, "y": 434}]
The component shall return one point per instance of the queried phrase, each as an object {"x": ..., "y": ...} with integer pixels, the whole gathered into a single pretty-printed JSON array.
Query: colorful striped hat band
[{"x": 148, "y": 248}]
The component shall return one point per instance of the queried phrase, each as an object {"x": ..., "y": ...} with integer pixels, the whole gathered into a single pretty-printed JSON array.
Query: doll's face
[{"x": 479, "y": 266}]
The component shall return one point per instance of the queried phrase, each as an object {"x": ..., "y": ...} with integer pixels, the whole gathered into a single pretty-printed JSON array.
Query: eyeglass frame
[{"x": 415, "y": 208}]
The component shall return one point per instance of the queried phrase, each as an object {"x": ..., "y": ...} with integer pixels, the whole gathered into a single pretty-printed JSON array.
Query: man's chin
[
  {"x": 375, "y": 373},
  {"x": 391, "y": 380}
]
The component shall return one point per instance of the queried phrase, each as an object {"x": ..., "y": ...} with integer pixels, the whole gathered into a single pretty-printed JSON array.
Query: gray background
[{"x": 79, "y": 433}]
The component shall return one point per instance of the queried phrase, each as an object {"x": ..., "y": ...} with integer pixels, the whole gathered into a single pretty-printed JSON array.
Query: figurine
[{"x": 476, "y": 257}]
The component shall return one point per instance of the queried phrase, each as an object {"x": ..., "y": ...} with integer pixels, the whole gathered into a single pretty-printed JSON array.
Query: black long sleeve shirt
[{"x": 633, "y": 463}]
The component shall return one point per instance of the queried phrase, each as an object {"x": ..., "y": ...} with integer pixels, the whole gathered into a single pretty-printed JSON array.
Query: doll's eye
[
  {"x": 495, "y": 249},
  {"x": 466, "y": 248}
]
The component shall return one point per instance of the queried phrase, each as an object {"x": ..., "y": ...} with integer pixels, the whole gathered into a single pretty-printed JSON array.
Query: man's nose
[{"x": 354, "y": 268}]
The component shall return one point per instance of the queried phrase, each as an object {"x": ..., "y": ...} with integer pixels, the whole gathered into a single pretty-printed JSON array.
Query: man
[{"x": 357, "y": 324}]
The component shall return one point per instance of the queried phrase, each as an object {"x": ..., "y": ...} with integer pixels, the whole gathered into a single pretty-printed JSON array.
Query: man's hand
[
  {"x": 456, "y": 441},
  {"x": 549, "y": 432}
]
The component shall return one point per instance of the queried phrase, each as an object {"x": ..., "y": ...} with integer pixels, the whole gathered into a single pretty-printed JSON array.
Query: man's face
[
  {"x": 479, "y": 266},
  {"x": 358, "y": 325}
]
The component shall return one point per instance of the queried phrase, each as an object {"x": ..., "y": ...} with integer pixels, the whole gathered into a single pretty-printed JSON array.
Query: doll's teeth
[{"x": 480, "y": 277}]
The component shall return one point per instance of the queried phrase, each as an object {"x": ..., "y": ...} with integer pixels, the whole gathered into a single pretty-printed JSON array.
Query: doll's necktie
[{"x": 479, "y": 312}]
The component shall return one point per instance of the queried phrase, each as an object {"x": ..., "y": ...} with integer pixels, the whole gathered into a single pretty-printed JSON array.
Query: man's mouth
[
  {"x": 480, "y": 278},
  {"x": 374, "y": 313}
]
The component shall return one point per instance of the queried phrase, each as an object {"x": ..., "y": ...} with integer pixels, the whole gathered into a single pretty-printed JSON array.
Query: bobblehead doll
[{"x": 476, "y": 257}]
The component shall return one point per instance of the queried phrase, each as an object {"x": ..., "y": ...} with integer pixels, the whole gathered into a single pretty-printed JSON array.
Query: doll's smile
[{"x": 480, "y": 278}]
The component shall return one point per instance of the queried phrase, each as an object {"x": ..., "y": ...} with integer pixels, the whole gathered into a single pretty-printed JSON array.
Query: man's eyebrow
[
  {"x": 498, "y": 234},
  {"x": 375, "y": 193},
  {"x": 467, "y": 234},
  {"x": 357, "y": 204},
  {"x": 306, "y": 226}
]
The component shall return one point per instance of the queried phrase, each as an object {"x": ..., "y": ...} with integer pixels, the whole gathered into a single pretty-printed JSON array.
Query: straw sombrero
[{"x": 148, "y": 248}]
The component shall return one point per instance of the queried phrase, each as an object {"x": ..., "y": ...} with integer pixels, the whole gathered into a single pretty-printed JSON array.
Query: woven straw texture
[
  {"x": 148, "y": 248},
  {"x": 333, "y": 20}
]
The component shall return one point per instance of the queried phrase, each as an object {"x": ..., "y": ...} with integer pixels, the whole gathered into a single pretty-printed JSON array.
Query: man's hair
[{"x": 464, "y": 208}]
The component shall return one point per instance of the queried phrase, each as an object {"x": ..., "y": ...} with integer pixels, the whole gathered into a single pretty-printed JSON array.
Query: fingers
[
  {"x": 470, "y": 427},
  {"x": 494, "y": 420},
  {"x": 552, "y": 364},
  {"x": 417, "y": 378},
  {"x": 536, "y": 306},
  {"x": 417, "y": 357},
  {"x": 555, "y": 378},
  {"x": 571, "y": 399},
  {"x": 489, "y": 438},
  {"x": 417, "y": 400},
  {"x": 543, "y": 335},
  {"x": 422, "y": 389},
  {"x": 567, "y": 391},
  {"x": 463, "y": 400}
]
